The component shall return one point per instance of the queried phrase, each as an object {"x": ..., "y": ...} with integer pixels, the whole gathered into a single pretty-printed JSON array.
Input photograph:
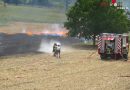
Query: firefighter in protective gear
[
  {"x": 54, "y": 49},
  {"x": 58, "y": 50},
  {"x": 108, "y": 52},
  {"x": 125, "y": 52}
]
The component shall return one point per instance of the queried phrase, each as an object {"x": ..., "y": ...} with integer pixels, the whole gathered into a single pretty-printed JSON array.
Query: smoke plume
[{"x": 47, "y": 46}]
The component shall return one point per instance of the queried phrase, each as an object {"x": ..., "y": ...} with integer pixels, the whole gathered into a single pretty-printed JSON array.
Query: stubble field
[{"x": 76, "y": 70}]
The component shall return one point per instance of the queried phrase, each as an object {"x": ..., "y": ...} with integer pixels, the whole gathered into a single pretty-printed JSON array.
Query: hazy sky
[{"x": 127, "y": 3}]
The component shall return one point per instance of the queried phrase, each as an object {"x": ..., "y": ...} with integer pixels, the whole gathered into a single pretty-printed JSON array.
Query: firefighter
[
  {"x": 58, "y": 50},
  {"x": 125, "y": 53},
  {"x": 112, "y": 45},
  {"x": 54, "y": 49},
  {"x": 108, "y": 51}
]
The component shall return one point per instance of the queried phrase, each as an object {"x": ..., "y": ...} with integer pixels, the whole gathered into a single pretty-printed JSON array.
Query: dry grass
[{"x": 76, "y": 70}]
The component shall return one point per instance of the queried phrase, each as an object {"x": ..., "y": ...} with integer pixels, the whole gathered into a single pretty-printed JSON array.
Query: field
[
  {"x": 76, "y": 70},
  {"x": 31, "y": 14}
]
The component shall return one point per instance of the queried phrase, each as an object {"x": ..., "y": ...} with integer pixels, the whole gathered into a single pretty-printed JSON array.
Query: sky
[{"x": 127, "y": 3}]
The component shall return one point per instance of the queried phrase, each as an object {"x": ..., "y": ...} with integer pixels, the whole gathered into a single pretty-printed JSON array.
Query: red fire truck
[{"x": 113, "y": 46}]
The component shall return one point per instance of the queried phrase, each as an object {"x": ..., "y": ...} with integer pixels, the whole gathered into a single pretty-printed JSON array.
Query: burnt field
[
  {"x": 22, "y": 43},
  {"x": 22, "y": 37}
]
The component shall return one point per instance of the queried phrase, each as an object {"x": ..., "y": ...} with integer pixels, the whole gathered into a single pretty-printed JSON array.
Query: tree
[
  {"x": 129, "y": 25},
  {"x": 16, "y": 2},
  {"x": 43, "y": 2},
  {"x": 92, "y": 17},
  {"x": 5, "y": 2},
  {"x": 40, "y": 2}
]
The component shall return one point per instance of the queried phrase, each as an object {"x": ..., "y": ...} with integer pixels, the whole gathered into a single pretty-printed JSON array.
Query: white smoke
[
  {"x": 23, "y": 30},
  {"x": 47, "y": 46},
  {"x": 45, "y": 31},
  {"x": 56, "y": 27}
]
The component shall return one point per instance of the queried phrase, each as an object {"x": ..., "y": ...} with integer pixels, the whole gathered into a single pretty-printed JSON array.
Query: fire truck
[{"x": 113, "y": 46}]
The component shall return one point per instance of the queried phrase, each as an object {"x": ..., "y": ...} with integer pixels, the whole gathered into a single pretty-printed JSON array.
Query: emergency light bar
[{"x": 113, "y": 2}]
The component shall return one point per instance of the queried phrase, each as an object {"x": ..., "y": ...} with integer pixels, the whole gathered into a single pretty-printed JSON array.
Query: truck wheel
[
  {"x": 102, "y": 56},
  {"x": 126, "y": 57}
]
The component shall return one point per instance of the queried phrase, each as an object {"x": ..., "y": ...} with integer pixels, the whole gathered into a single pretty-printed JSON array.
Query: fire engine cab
[{"x": 113, "y": 46}]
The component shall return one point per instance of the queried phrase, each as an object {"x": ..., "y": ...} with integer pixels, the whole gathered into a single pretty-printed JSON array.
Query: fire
[
  {"x": 50, "y": 29},
  {"x": 29, "y": 33},
  {"x": 60, "y": 33}
]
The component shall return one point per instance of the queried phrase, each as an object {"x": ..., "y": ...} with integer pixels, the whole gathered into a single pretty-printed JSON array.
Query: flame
[
  {"x": 29, "y": 33},
  {"x": 60, "y": 33}
]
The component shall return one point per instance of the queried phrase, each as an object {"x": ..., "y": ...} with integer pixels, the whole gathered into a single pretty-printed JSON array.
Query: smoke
[
  {"x": 56, "y": 27},
  {"x": 50, "y": 29},
  {"x": 47, "y": 46},
  {"x": 55, "y": 30},
  {"x": 50, "y": 33},
  {"x": 23, "y": 30}
]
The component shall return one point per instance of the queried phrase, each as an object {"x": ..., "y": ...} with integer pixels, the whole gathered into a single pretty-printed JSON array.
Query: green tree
[
  {"x": 40, "y": 2},
  {"x": 129, "y": 13},
  {"x": 5, "y": 2},
  {"x": 92, "y": 17},
  {"x": 129, "y": 25}
]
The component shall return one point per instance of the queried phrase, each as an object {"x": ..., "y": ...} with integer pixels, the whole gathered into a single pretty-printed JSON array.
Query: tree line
[
  {"x": 27, "y": 2},
  {"x": 37, "y": 2}
]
